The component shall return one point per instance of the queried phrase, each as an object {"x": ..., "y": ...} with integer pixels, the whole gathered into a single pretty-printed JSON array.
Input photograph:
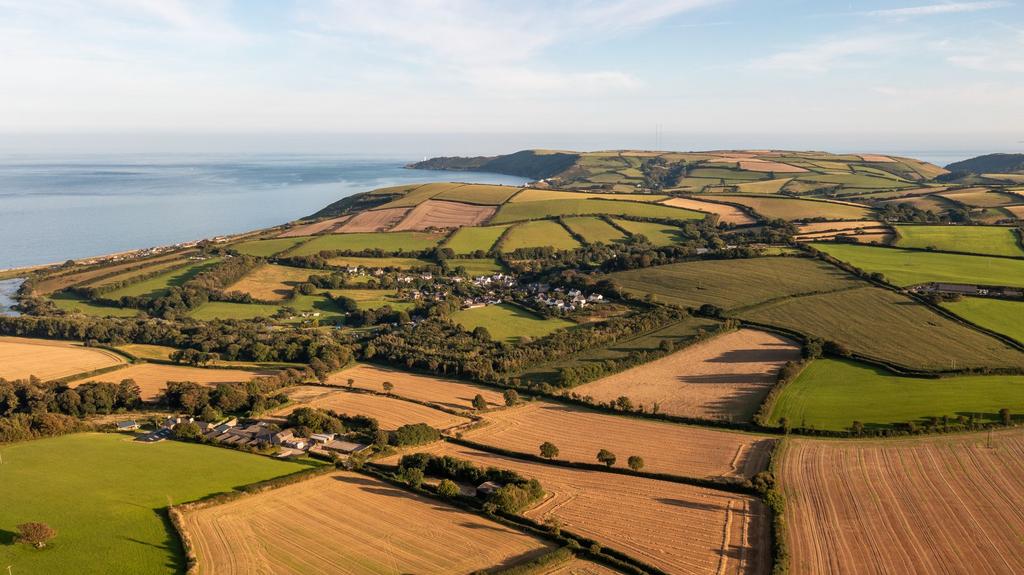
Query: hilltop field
[{"x": 724, "y": 362}]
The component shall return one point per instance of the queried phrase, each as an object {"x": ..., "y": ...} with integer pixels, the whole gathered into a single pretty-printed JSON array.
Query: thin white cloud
[
  {"x": 935, "y": 9},
  {"x": 825, "y": 55}
]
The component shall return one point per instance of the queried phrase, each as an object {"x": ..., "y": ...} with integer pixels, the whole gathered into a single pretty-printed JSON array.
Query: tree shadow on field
[
  {"x": 176, "y": 560},
  {"x": 780, "y": 353},
  {"x": 482, "y": 526},
  {"x": 690, "y": 504},
  {"x": 7, "y": 537}
]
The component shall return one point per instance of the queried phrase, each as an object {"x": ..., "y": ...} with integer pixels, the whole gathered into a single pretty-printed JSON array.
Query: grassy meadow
[
  {"x": 70, "y": 302},
  {"x": 1001, "y": 316},
  {"x": 594, "y": 229},
  {"x": 267, "y": 248},
  {"x": 909, "y": 267},
  {"x": 989, "y": 240},
  {"x": 791, "y": 209},
  {"x": 508, "y": 322},
  {"x": 159, "y": 285},
  {"x": 538, "y": 234},
  {"x": 104, "y": 495},
  {"x": 657, "y": 234},
  {"x": 477, "y": 267},
  {"x": 386, "y": 241},
  {"x": 517, "y": 211},
  {"x": 832, "y": 394},
  {"x": 468, "y": 240}
]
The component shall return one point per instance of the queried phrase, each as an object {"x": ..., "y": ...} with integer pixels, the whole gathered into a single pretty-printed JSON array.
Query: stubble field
[
  {"x": 389, "y": 412},
  {"x": 348, "y": 523},
  {"x": 50, "y": 359},
  {"x": 445, "y": 392},
  {"x": 726, "y": 377},
  {"x": 152, "y": 378}
]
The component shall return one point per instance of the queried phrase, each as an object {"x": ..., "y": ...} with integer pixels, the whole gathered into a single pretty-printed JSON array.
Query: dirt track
[
  {"x": 678, "y": 528},
  {"x": 725, "y": 377},
  {"x": 440, "y": 214},
  {"x": 936, "y": 505},
  {"x": 665, "y": 447},
  {"x": 349, "y": 524},
  {"x": 50, "y": 359}
]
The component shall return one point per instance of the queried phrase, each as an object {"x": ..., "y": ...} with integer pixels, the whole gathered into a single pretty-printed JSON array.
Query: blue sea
[{"x": 54, "y": 208}]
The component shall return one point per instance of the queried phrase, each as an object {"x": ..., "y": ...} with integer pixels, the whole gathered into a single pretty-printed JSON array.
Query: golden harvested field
[
  {"x": 46, "y": 359},
  {"x": 351, "y": 524},
  {"x": 152, "y": 378},
  {"x": 767, "y": 166},
  {"x": 536, "y": 195},
  {"x": 981, "y": 197},
  {"x": 271, "y": 282},
  {"x": 389, "y": 412},
  {"x": 315, "y": 227},
  {"x": 726, "y": 214},
  {"x": 763, "y": 186},
  {"x": 726, "y": 377},
  {"x": 665, "y": 447},
  {"x": 579, "y": 567},
  {"x": 1017, "y": 211},
  {"x": 445, "y": 392},
  {"x": 938, "y": 505},
  {"x": 58, "y": 282},
  {"x": 796, "y": 209},
  {"x": 816, "y": 227},
  {"x": 876, "y": 158},
  {"x": 374, "y": 220},
  {"x": 440, "y": 214},
  {"x": 678, "y": 528}
]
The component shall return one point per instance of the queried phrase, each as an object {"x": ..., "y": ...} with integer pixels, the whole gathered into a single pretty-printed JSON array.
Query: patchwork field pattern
[
  {"x": 349, "y": 523},
  {"x": 539, "y": 234},
  {"x": 445, "y": 392},
  {"x": 469, "y": 240},
  {"x": 50, "y": 359},
  {"x": 323, "y": 226},
  {"x": 726, "y": 377},
  {"x": 516, "y": 211},
  {"x": 674, "y": 527},
  {"x": 387, "y": 242},
  {"x": 796, "y": 209},
  {"x": 911, "y": 267},
  {"x": 58, "y": 281},
  {"x": 374, "y": 220},
  {"x": 1001, "y": 316},
  {"x": 389, "y": 412},
  {"x": 936, "y": 505},
  {"x": 580, "y": 433},
  {"x": 152, "y": 378},
  {"x": 594, "y": 229},
  {"x": 997, "y": 241},
  {"x": 726, "y": 214},
  {"x": 440, "y": 214}
]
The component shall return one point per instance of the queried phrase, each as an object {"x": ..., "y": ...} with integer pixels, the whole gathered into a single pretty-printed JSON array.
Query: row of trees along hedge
[
  {"x": 255, "y": 396},
  {"x": 31, "y": 408},
  {"x": 515, "y": 494},
  {"x": 310, "y": 420},
  {"x": 231, "y": 340},
  {"x": 439, "y": 346}
]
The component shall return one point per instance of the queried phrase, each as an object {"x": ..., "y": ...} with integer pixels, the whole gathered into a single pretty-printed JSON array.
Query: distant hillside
[
  {"x": 527, "y": 163},
  {"x": 990, "y": 164}
]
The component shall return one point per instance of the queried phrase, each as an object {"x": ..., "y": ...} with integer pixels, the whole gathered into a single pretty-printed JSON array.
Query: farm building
[
  {"x": 130, "y": 425},
  {"x": 487, "y": 488}
]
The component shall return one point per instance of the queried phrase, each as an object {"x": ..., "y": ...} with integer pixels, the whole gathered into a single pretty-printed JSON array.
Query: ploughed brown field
[
  {"x": 723, "y": 378},
  {"x": 152, "y": 378},
  {"x": 938, "y": 505},
  {"x": 665, "y": 447},
  {"x": 46, "y": 359},
  {"x": 445, "y": 392},
  {"x": 352, "y": 524},
  {"x": 678, "y": 528},
  {"x": 726, "y": 214},
  {"x": 271, "y": 282},
  {"x": 324, "y": 226},
  {"x": 374, "y": 220},
  {"x": 58, "y": 282},
  {"x": 441, "y": 215},
  {"x": 389, "y": 412}
]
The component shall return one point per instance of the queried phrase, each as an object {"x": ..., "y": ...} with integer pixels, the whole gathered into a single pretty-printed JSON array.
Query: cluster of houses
[
  {"x": 570, "y": 300},
  {"x": 259, "y": 434}
]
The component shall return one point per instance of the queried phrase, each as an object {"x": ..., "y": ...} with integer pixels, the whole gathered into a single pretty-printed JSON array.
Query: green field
[
  {"x": 1001, "y": 316},
  {"x": 386, "y": 241},
  {"x": 516, "y": 211},
  {"x": 266, "y": 248},
  {"x": 468, "y": 240},
  {"x": 157, "y": 286},
  {"x": 104, "y": 495},
  {"x": 733, "y": 283},
  {"x": 417, "y": 194},
  {"x": 990, "y": 240},
  {"x": 373, "y": 298},
  {"x": 865, "y": 181},
  {"x": 729, "y": 175},
  {"x": 594, "y": 229},
  {"x": 790, "y": 209},
  {"x": 878, "y": 323},
  {"x": 479, "y": 194},
  {"x": 539, "y": 234},
  {"x": 477, "y": 267},
  {"x": 678, "y": 333},
  {"x": 508, "y": 322},
  {"x": 72, "y": 303},
  {"x": 657, "y": 234},
  {"x": 401, "y": 263},
  {"x": 832, "y": 394},
  {"x": 908, "y": 267},
  {"x": 227, "y": 310}
]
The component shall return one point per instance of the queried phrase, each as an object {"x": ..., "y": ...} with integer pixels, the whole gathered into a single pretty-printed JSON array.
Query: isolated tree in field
[
  {"x": 857, "y": 428},
  {"x": 635, "y": 462},
  {"x": 606, "y": 457},
  {"x": 624, "y": 403},
  {"x": 388, "y": 386},
  {"x": 511, "y": 397},
  {"x": 351, "y": 382},
  {"x": 548, "y": 450},
  {"x": 479, "y": 403},
  {"x": 1004, "y": 416},
  {"x": 447, "y": 488},
  {"x": 35, "y": 534}
]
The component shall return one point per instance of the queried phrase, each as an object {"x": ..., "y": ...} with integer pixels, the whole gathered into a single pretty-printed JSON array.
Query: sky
[{"x": 903, "y": 73}]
